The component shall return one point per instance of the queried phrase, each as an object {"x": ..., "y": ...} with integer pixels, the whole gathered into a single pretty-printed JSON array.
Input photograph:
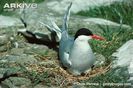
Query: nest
[{"x": 58, "y": 74}]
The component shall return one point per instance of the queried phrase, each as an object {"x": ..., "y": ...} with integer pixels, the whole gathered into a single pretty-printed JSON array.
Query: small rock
[
  {"x": 100, "y": 60},
  {"x": 34, "y": 48},
  {"x": 3, "y": 48},
  {"x": 17, "y": 82},
  {"x": 41, "y": 86},
  {"x": 48, "y": 64},
  {"x": 130, "y": 70},
  {"x": 21, "y": 59},
  {"x": 78, "y": 86},
  {"x": 17, "y": 51},
  {"x": 3, "y": 39},
  {"x": 5, "y": 72},
  {"x": 2, "y": 71}
]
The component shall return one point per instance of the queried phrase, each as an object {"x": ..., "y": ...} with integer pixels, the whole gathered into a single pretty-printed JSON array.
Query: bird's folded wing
[
  {"x": 65, "y": 50},
  {"x": 67, "y": 62}
]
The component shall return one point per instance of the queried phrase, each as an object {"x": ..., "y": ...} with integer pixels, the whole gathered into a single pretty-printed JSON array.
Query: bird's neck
[{"x": 82, "y": 45}]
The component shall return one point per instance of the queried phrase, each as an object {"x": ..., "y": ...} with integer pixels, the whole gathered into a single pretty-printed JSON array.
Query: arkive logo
[{"x": 19, "y": 5}]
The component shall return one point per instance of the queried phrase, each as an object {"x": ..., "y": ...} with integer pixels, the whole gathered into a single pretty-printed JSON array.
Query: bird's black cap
[{"x": 83, "y": 31}]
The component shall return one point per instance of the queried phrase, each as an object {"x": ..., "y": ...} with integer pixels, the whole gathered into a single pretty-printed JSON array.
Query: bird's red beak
[{"x": 97, "y": 37}]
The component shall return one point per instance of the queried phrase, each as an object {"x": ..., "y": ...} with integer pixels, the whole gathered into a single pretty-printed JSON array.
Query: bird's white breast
[{"x": 81, "y": 56}]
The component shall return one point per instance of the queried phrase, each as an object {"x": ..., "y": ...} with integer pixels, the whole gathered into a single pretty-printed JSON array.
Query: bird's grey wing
[
  {"x": 65, "y": 49},
  {"x": 66, "y": 41}
]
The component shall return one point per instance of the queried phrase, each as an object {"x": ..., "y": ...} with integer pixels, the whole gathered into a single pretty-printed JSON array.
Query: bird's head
[{"x": 86, "y": 34}]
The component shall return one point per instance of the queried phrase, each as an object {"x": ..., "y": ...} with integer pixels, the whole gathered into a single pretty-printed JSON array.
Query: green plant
[
  {"x": 35, "y": 77},
  {"x": 114, "y": 12}
]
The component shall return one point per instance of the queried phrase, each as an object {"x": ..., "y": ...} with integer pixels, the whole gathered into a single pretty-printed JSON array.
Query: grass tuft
[{"x": 119, "y": 11}]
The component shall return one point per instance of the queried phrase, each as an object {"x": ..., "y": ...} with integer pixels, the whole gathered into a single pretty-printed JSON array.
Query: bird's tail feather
[
  {"x": 66, "y": 18},
  {"x": 54, "y": 27}
]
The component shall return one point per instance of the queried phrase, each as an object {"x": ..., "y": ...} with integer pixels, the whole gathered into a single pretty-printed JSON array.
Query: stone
[
  {"x": 3, "y": 39},
  {"x": 78, "y": 5},
  {"x": 6, "y": 21},
  {"x": 16, "y": 51},
  {"x": 130, "y": 70},
  {"x": 21, "y": 59},
  {"x": 8, "y": 71},
  {"x": 2, "y": 71},
  {"x": 77, "y": 22},
  {"x": 100, "y": 60},
  {"x": 3, "y": 48},
  {"x": 17, "y": 82},
  {"x": 34, "y": 48},
  {"x": 41, "y": 86},
  {"x": 124, "y": 58},
  {"x": 48, "y": 64},
  {"x": 124, "y": 54}
]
